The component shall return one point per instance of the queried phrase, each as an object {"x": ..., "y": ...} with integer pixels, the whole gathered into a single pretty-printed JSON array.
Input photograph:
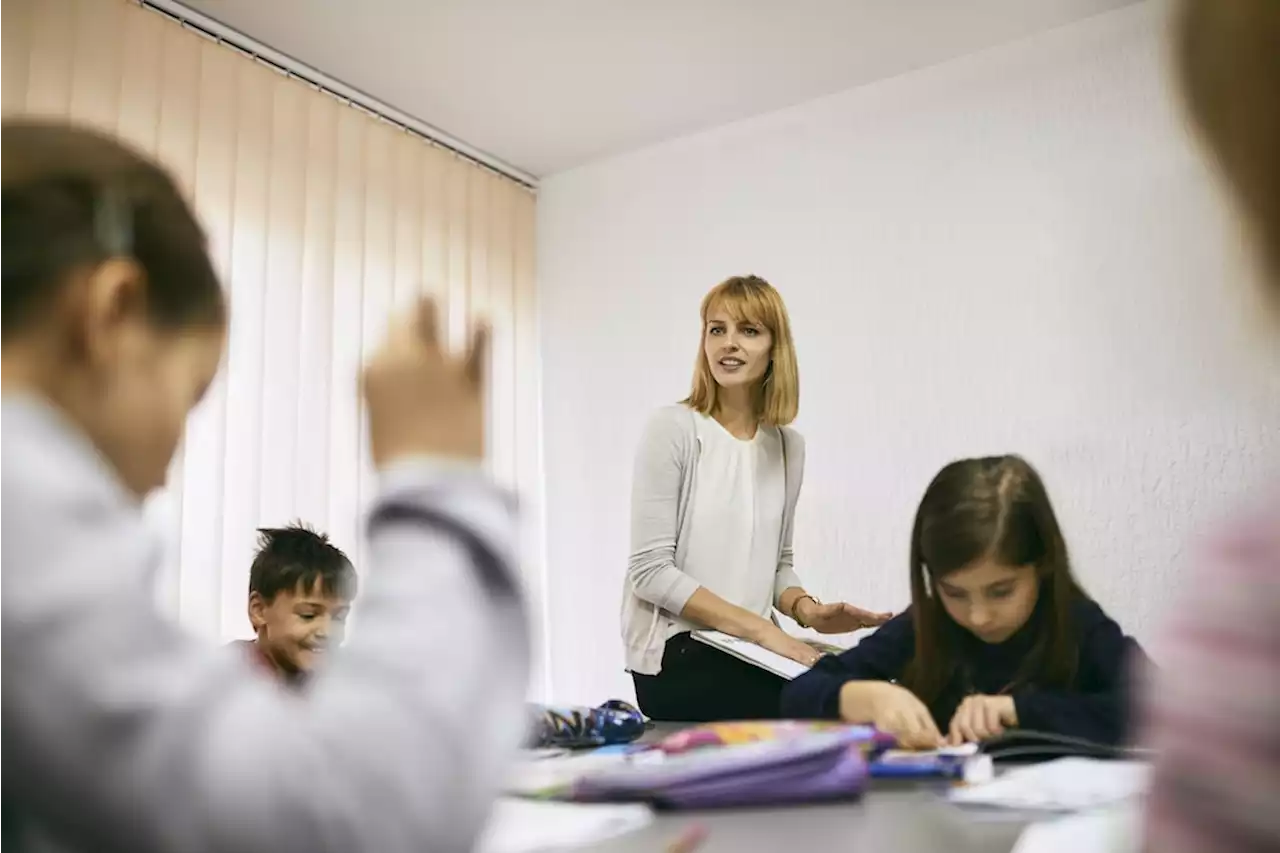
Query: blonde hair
[
  {"x": 752, "y": 299},
  {"x": 1227, "y": 54}
]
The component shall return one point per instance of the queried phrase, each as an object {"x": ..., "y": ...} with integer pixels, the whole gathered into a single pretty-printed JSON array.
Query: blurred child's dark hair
[
  {"x": 1227, "y": 58},
  {"x": 73, "y": 198},
  {"x": 995, "y": 508},
  {"x": 296, "y": 554}
]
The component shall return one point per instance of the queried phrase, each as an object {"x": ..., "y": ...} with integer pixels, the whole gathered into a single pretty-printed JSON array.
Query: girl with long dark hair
[{"x": 999, "y": 633}]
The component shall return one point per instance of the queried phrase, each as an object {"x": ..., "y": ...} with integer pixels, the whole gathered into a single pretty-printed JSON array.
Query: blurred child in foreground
[
  {"x": 1214, "y": 712},
  {"x": 121, "y": 732}
]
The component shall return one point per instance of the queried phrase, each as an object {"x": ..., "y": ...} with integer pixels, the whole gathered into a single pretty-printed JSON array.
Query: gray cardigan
[{"x": 656, "y": 587}]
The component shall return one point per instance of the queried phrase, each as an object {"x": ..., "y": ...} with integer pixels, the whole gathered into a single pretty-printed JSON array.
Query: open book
[{"x": 751, "y": 653}]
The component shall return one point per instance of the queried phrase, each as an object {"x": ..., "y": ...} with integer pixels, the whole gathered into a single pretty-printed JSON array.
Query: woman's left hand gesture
[{"x": 838, "y": 617}]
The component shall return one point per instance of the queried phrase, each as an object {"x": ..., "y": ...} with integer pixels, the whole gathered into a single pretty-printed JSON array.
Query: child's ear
[
  {"x": 111, "y": 297},
  {"x": 257, "y": 611}
]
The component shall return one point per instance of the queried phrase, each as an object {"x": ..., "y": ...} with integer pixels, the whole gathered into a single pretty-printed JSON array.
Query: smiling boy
[{"x": 300, "y": 592}]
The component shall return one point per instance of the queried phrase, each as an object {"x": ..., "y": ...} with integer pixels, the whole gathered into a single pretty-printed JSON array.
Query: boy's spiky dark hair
[{"x": 297, "y": 554}]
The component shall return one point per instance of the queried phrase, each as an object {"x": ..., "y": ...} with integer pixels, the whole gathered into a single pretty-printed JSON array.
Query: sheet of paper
[
  {"x": 752, "y": 653},
  {"x": 529, "y": 826},
  {"x": 964, "y": 750},
  {"x": 1064, "y": 785},
  {"x": 1116, "y": 829}
]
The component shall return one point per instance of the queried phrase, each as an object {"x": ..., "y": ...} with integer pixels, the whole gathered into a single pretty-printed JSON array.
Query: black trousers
[{"x": 700, "y": 684}]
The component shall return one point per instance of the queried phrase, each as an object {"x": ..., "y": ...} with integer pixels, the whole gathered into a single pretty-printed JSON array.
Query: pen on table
[{"x": 689, "y": 840}]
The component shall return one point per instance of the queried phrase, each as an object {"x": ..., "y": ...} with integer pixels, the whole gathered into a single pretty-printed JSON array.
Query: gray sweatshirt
[{"x": 123, "y": 733}]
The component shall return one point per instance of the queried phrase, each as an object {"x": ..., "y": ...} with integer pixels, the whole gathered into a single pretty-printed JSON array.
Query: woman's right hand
[
  {"x": 777, "y": 640},
  {"x": 891, "y": 709}
]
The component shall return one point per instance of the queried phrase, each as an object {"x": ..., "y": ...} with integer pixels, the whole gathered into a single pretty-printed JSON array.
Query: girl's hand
[
  {"x": 837, "y": 617},
  {"x": 981, "y": 718},
  {"x": 424, "y": 401},
  {"x": 893, "y": 710},
  {"x": 777, "y": 640}
]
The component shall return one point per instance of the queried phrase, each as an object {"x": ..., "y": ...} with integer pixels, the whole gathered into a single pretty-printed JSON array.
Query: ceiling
[{"x": 546, "y": 85}]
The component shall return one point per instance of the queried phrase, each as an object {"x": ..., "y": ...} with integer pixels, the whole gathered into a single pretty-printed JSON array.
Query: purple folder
[{"x": 811, "y": 768}]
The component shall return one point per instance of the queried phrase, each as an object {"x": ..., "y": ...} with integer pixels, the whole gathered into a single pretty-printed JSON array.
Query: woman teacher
[{"x": 713, "y": 508}]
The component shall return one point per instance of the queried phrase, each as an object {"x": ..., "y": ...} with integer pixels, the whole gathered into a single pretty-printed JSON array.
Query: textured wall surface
[{"x": 1017, "y": 251}]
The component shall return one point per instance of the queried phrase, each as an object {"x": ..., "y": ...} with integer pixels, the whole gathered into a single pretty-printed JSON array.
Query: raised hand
[{"x": 422, "y": 400}]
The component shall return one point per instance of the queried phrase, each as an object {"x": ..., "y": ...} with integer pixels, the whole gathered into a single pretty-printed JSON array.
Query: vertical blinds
[{"x": 322, "y": 219}]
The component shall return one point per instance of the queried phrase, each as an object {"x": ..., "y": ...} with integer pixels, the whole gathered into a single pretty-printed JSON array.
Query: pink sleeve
[{"x": 1214, "y": 713}]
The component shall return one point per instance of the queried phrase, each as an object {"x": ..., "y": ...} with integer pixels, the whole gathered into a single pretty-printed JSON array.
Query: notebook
[
  {"x": 964, "y": 763},
  {"x": 753, "y": 654}
]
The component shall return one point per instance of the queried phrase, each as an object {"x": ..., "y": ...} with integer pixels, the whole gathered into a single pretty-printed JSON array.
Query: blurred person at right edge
[{"x": 1213, "y": 714}]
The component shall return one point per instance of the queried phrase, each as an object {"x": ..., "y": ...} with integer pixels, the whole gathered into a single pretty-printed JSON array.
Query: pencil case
[
  {"x": 614, "y": 722},
  {"x": 757, "y": 731},
  {"x": 816, "y": 767}
]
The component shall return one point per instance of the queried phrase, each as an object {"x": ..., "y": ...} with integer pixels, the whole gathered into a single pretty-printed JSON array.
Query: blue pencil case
[{"x": 614, "y": 722}]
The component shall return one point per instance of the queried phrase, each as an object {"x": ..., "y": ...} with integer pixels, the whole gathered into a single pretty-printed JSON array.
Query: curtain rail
[{"x": 220, "y": 33}]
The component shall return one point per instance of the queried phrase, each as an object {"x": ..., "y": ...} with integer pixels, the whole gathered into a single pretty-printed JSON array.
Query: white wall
[{"x": 1016, "y": 251}]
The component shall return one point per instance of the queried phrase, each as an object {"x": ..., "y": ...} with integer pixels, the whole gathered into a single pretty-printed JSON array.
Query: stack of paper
[
  {"x": 526, "y": 826},
  {"x": 1065, "y": 785}
]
